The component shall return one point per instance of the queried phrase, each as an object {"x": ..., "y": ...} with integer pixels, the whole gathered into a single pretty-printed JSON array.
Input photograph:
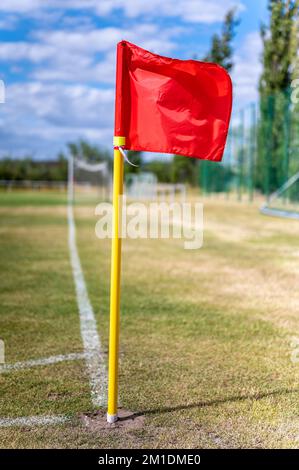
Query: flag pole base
[{"x": 112, "y": 418}]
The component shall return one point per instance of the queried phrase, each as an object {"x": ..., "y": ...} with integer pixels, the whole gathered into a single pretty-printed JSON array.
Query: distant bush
[{"x": 33, "y": 170}]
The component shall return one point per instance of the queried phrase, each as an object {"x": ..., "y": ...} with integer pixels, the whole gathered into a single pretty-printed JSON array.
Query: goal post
[
  {"x": 88, "y": 182},
  {"x": 70, "y": 179},
  {"x": 285, "y": 201}
]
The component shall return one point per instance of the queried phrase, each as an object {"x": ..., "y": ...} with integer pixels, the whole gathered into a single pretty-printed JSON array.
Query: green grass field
[{"x": 205, "y": 335}]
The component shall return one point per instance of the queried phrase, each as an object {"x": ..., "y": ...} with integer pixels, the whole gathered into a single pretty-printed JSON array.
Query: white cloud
[
  {"x": 84, "y": 55},
  {"x": 194, "y": 11},
  {"x": 74, "y": 104},
  {"x": 20, "y": 6},
  {"x": 59, "y": 104},
  {"x": 94, "y": 40},
  {"x": 16, "y": 51},
  {"x": 40, "y": 116},
  {"x": 8, "y": 22},
  {"x": 45, "y": 113}
]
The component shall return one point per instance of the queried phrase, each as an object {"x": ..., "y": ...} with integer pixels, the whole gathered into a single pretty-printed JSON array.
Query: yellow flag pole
[{"x": 118, "y": 172}]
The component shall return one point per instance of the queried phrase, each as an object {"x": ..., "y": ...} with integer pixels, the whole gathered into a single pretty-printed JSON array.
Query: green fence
[{"x": 262, "y": 150}]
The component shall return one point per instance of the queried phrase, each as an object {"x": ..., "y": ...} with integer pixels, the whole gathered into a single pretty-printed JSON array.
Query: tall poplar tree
[
  {"x": 221, "y": 50},
  {"x": 274, "y": 88}
]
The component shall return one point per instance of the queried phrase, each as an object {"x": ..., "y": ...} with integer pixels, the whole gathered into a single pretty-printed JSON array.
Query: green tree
[
  {"x": 221, "y": 50},
  {"x": 277, "y": 41},
  {"x": 89, "y": 152},
  {"x": 136, "y": 159},
  {"x": 33, "y": 170},
  {"x": 161, "y": 168},
  {"x": 184, "y": 170},
  {"x": 294, "y": 46},
  {"x": 274, "y": 88}
]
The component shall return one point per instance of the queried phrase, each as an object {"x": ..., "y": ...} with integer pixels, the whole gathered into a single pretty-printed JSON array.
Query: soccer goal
[
  {"x": 89, "y": 182},
  {"x": 145, "y": 186},
  {"x": 285, "y": 201},
  {"x": 141, "y": 186},
  {"x": 171, "y": 192}
]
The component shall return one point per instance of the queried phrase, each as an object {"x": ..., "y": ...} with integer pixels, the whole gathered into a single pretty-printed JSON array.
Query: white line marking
[
  {"x": 33, "y": 421},
  {"x": 91, "y": 341},
  {"x": 42, "y": 362}
]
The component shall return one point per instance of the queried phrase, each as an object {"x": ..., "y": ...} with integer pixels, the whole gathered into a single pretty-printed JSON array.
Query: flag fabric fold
[{"x": 171, "y": 106}]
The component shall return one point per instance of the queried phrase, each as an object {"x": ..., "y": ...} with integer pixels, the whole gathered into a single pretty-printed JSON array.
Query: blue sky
[{"x": 57, "y": 60}]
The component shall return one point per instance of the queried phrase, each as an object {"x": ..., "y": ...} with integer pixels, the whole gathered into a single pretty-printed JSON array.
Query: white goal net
[
  {"x": 89, "y": 182},
  {"x": 145, "y": 186}
]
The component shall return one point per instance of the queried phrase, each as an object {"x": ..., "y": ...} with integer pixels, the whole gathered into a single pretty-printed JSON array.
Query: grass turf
[{"x": 205, "y": 335}]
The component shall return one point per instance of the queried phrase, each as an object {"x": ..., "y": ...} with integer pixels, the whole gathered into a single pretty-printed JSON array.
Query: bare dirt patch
[{"x": 97, "y": 421}]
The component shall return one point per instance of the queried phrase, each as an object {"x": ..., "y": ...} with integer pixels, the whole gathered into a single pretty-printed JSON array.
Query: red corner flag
[{"x": 169, "y": 105}]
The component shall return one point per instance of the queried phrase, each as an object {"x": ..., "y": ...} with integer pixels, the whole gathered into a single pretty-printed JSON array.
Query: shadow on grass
[{"x": 220, "y": 401}]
